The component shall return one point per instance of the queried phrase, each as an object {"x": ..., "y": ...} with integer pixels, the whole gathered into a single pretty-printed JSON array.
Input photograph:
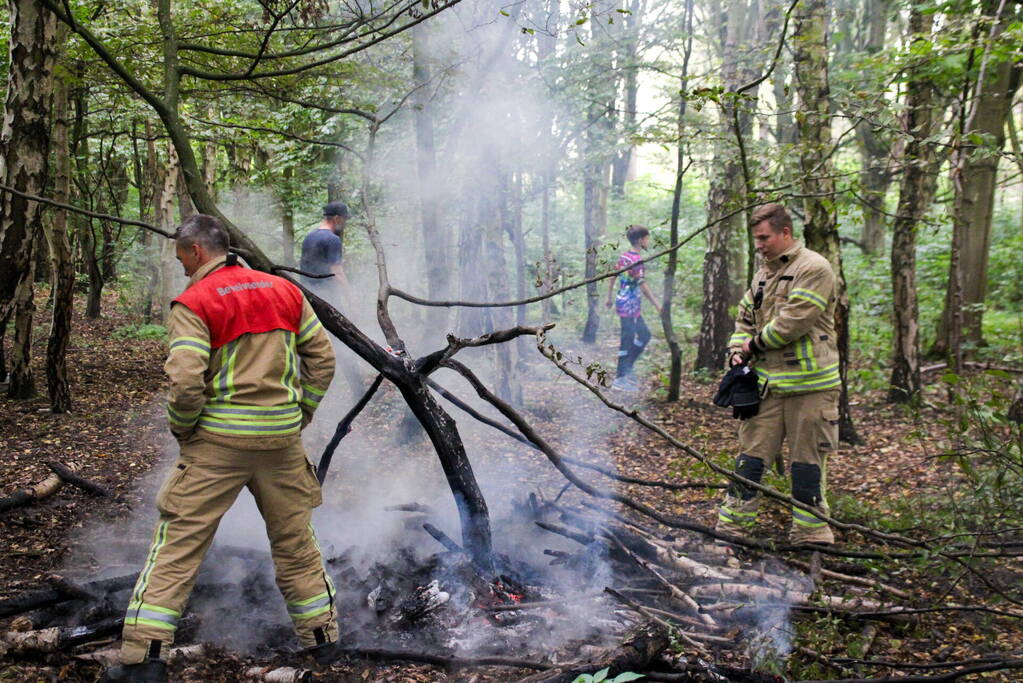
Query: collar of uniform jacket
[
  {"x": 208, "y": 268},
  {"x": 784, "y": 258}
]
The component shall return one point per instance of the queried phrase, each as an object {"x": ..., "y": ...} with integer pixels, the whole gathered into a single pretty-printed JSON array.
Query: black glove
[
  {"x": 723, "y": 397},
  {"x": 745, "y": 395},
  {"x": 739, "y": 390}
]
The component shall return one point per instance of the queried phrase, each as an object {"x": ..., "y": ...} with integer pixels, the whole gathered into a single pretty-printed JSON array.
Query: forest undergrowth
[{"x": 903, "y": 479}]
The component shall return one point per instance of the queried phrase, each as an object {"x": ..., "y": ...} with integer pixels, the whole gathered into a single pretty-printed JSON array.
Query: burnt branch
[
  {"x": 429, "y": 363},
  {"x": 344, "y": 427}
]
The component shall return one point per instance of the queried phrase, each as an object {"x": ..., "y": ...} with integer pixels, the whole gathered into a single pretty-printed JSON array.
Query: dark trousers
[{"x": 634, "y": 338}]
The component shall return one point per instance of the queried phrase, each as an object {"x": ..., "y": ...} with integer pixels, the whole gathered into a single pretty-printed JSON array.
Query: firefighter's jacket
[
  {"x": 249, "y": 361},
  {"x": 788, "y": 314}
]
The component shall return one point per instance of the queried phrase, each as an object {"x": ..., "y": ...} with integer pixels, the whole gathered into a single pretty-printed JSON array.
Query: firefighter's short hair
[
  {"x": 205, "y": 230},
  {"x": 775, "y": 215},
  {"x": 635, "y": 233}
]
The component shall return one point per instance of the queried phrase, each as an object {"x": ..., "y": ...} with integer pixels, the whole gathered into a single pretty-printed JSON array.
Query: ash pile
[{"x": 606, "y": 592}]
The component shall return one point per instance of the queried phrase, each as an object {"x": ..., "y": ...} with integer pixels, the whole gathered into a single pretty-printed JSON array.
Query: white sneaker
[{"x": 626, "y": 383}]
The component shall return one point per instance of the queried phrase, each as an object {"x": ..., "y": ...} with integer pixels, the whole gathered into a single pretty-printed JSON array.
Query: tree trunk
[
  {"x": 94, "y": 298},
  {"x": 874, "y": 149},
  {"x": 23, "y": 384},
  {"x": 675, "y": 351},
  {"x": 62, "y": 269},
  {"x": 979, "y": 181},
  {"x": 601, "y": 91},
  {"x": 820, "y": 218},
  {"x": 288, "y": 222},
  {"x": 436, "y": 247},
  {"x": 627, "y": 63},
  {"x": 25, "y": 139},
  {"x": 914, "y": 198},
  {"x": 727, "y": 194}
]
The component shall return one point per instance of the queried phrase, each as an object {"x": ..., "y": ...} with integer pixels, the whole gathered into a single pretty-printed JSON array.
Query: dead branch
[
  {"x": 30, "y": 600},
  {"x": 69, "y": 475},
  {"x": 376, "y": 654},
  {"x": 856, "y": 580},
  {"x": 57, "y": 638},
  {"x": 677, "y": 594},
  {"x": 30, "y": 494},
  {"x": 344, "y": 427},
  {"x": 429, "y": 363}
]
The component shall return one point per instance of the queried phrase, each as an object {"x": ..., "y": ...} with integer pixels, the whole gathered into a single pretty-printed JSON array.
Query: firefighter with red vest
[{"x": 249, "y": 362}]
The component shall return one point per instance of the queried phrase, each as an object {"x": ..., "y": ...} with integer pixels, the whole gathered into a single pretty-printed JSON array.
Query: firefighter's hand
[
  {"x": 746, "y": 350},
  {"x": 609, "y": 303},
  {"x": 736, "y": 359}
]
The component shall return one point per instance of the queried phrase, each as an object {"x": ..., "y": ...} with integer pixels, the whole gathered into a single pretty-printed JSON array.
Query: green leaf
[
  {"x": 601, "y": 675},
  {"x": 627, "y": 676}
]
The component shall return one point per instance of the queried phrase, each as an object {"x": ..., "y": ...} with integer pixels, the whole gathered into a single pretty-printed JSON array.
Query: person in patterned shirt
[{"x": 635, "y": 335}]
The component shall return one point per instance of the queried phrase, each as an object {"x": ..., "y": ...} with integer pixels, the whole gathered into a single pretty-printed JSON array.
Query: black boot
[
  {"x": 324, "y": 654},
  {"x": 149, "y": 671}
]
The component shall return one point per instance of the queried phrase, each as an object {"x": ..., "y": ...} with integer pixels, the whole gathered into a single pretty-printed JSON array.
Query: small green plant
[
  {"x": 143, "y": 331},
  {"x": 601, "y": 677}
]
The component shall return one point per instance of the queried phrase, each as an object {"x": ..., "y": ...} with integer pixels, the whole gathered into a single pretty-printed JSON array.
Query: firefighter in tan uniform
[
  {"x": 248, "y": 365},
  {"x": 785, "y": 329}
]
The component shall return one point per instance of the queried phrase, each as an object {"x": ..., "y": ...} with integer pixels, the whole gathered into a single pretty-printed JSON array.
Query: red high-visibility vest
[{"x": 234, "y": 300}]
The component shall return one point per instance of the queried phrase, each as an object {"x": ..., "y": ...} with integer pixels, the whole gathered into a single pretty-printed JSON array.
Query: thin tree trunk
[
  {"x": 873, "y": 146},
  {"x": 62, "y": 269},
  {"x": 675, "y": 351},
  {"x": 25, "y": 139},
  {"x": 914, "y": 198},
  {"x": 23, "y": 384},
  {"x": 627, "y": 63},
  {"x": 436, "y": 247},
  {"x": 287, "y": 222},
  {"x": 820, "y": 217}
]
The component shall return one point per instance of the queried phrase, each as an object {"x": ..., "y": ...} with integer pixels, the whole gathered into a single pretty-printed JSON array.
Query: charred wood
[
  {"x": 637, "y": 650},
  {"x": 31, "y": 600},
  {"x": 70, "y": 476}
]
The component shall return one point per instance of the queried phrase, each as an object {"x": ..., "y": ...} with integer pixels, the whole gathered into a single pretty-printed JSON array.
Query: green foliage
[
  {"x": 601, "y": 677},
  {"x": 140, "y": 331}
]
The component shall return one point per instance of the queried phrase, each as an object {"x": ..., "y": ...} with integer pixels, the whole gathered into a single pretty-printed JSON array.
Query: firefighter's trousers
[
  {"x": 203, "y": 484},
  {"x": 809, "y": 423}
]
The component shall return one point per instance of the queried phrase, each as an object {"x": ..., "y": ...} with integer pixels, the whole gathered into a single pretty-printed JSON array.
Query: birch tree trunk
[
  {"x": 810, "y": 54},
  {"x": 728, "y": 189},
  {"x": 24, "y": 139},
  {"x": 914, "y": 197}
]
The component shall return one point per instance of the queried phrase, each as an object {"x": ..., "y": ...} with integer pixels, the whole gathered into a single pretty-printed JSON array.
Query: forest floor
[{"x": 116, "y": 435}]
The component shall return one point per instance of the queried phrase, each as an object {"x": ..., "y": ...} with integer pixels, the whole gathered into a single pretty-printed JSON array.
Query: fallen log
[
  {"x": 111, "y": 656},
  {"x": 57, "y": 638},
  {"x": 30, "y": 494},
  {"x": 855, "y": 580},
  {"x": 72, "y": 477},
  {"x": 31, "y": 600}
]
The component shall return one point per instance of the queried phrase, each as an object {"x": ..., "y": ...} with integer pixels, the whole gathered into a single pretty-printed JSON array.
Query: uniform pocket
[
  {"x": 168, "y": 500},
  {"x": 314, "y": 490}
]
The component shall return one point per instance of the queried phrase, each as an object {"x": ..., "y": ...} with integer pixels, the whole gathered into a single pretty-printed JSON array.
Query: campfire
[{"x": 592, "y": 590}]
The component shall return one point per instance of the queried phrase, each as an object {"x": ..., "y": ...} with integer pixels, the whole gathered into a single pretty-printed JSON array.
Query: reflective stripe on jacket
[
  {"x": 257, "y": 390},
  {"x": 789, "y": 314}
]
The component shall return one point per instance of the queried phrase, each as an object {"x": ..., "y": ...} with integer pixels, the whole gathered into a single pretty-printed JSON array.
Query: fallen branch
[
  {"x": 69, "y": 475},
  {"x": 30, "y": 494}
]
